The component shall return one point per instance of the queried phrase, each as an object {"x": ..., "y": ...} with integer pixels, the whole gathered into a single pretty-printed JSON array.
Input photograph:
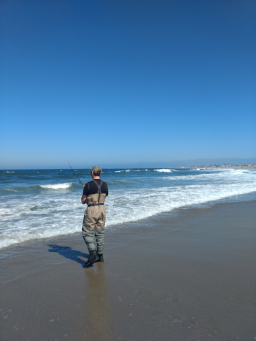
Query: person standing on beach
[{"x": 94, "y": 195}]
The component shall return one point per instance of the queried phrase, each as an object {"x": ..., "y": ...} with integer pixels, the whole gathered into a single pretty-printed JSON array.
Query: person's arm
[
  {"x": 106, "y": 188},
  {"x": 84, "y": 195},
  {"x": 83, "y": 199}
]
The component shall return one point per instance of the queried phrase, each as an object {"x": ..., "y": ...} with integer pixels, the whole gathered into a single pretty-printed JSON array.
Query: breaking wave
[
  {"x": 123, "y": 171},
  {"x": 57, "y": 186},
  {"x": 164, "y": 170}
]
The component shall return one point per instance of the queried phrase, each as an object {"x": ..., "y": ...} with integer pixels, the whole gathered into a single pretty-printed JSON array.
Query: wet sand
[{"x": 181, "y": 276}]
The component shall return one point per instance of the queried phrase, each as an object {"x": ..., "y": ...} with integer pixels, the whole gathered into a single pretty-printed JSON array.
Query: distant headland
[{"x": 240, "y": 166}]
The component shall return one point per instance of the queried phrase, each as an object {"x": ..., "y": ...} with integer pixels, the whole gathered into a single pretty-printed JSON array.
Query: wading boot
[
  {"x": 92, "y": 258},
  {"x": 100, "y": 258}
]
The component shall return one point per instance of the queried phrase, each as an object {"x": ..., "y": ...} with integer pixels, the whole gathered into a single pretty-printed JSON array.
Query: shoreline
[
  {"x": 251, "y": 196},
  {"x": 186, "y": 275}
]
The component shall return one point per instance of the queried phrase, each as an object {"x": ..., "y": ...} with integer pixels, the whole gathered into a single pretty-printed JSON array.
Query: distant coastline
[
  {"x": 241, "y": 166},
  {"x": 224, "y": 166}
]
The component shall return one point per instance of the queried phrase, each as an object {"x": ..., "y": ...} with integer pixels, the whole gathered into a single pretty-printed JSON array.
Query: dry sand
[{"x": 181, "y": 276}]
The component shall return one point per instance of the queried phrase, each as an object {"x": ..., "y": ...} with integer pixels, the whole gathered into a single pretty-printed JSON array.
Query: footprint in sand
[
  {"x": 128, "y": 279},
  {"x": 171, "y": 298},
  {"x": 137, "y": 293}
]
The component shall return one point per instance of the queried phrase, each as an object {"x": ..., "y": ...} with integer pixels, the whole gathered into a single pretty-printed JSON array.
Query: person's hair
[
  {"x": 96, "y": 170},
  {"x": 97, "y": 173}
]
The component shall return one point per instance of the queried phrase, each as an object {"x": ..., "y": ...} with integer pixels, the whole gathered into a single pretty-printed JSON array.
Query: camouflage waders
[{"x": 94, "y": 220}]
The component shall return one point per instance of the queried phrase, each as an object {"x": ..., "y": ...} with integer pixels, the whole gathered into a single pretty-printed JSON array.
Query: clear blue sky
[{"x": 97, "y": 82}]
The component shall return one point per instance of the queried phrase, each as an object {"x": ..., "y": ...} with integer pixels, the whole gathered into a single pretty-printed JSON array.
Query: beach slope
[{"x": 182, "y": 276}]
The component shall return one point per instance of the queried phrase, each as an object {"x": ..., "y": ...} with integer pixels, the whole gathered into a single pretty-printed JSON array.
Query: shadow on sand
[{"x": 69, "y": 253}]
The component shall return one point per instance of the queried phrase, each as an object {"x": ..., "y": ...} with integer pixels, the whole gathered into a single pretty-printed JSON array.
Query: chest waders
[{"x": 94, "y": 223}]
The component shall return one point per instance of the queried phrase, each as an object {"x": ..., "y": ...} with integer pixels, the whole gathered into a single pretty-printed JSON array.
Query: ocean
[{"x": 45, "y": 203}]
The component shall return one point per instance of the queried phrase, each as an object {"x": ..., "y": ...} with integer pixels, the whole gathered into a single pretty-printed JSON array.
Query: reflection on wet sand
[{"x": 97, "y": 304}]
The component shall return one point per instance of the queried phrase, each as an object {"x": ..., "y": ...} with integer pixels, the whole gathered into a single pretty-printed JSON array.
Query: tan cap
[{"x": 96, "y": 170}]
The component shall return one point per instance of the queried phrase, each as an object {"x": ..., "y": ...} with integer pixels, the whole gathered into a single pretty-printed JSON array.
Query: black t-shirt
[{"x": 91, "y": 187}]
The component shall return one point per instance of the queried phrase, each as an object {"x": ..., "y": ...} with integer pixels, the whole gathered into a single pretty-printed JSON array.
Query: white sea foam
[
  {"x": 9, "y": 172},
  {"x": 228, "y": 175},
  {"x": 131, "y": 170},
  {"x": 240, "y": 171},
  {"x": 123, "y": 171},
  {"x": 164, "y": 170},
  {"x": 64, "y": 185}
]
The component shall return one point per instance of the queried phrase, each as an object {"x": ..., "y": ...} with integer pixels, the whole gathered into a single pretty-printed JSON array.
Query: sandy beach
[{"x": 182, "y": 276}]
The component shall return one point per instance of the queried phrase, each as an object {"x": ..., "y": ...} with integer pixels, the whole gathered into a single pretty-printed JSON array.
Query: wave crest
[
  {"x": 164, "y": 170},
  {"x": 64, "y": 185},
  {"x": 122, "y": 170}
]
